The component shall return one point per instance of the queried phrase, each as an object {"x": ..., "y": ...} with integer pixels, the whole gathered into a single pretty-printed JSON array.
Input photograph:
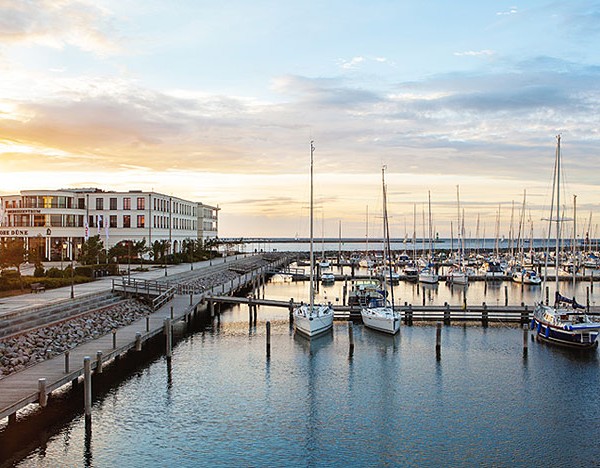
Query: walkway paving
[{"x": 102, "y": 284}]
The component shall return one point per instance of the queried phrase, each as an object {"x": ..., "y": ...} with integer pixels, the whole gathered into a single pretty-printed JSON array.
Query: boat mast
[
  {"x": 312, "y": 259},
  {"x": 386, "y": 233},
  {"x": 558, "y": 224}
]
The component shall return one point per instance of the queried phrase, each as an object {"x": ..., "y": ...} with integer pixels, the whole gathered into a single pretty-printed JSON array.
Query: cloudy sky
[{"x": 218, "y": 102}]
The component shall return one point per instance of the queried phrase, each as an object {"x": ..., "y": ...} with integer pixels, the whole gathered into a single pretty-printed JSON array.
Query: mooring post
[
  {"x": 169, "y": 337},
  {"x": 114, "y": 333},
  {"x": 505, "y": 296},
  {"x": 350, "y": 339},
  {"x": 587, "y": 299},
  {"x": 592, "y": 281},
  {"x": 547, "y": 294},
  {"x": 446, "y": 313},
  {"x": 345, "y": 291},
  {"x": 12, "y": 418},
  {"x": 191, "y": 298},
  {"x": 42, "y": 397},
  {"x": 291, "y": 310},
  {"x": 408, "y": 319},
  {"x": 138, "y": 341},
  {"x": 67, "y": 362},
  {"x": 255, "y": 310},
  {"x": 423, "y": 298},
  {"x": 268, "y": 339},
  {"x": 147, "y": 323},
  {"x": 87, "y": 387},
  {"x": 525, "y": 315},
  {"x": 438, "y": 340},
  {"x": 172, "y": 316},
  {"x": 98, "y": 362},
  {"x": 525, "y": 339},
  {"x": 484, "y": 316}
]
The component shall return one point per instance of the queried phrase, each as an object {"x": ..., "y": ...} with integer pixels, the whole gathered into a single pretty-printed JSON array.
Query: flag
[
  {"x": 106, "y": 229},
  {"x": 86, "y": 232},
  {"x": 99, "y": 222}
]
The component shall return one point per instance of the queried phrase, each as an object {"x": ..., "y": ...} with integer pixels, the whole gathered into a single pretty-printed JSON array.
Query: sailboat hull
[
  {"x": 313, "y": 322},
  {"x": 382, "y": 319},
  {"x": 580, "y": 336}
]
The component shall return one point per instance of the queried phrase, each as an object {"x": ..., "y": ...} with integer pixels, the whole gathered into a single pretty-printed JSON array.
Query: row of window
[
  {"x": 59, "y": 220},
  {"x": 112, "y": 203}
]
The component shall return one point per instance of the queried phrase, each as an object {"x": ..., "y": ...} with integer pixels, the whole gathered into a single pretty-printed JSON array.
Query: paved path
[{"x": 103, "y": 284}]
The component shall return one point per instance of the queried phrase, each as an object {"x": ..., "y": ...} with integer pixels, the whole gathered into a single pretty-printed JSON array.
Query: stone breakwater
[{"x": 23, "y": 350}]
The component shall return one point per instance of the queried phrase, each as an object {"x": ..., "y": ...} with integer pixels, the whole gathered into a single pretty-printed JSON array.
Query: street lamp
[
  {"x": 73, "y": 268},
  {"x": 128, "y": 260}
]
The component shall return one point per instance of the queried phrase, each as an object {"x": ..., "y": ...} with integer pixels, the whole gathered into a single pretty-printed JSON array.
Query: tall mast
[
  {"x": 558, "y": 224},
  {"x": 386, "y": 233},
  {"x": 312, "y": 259}
]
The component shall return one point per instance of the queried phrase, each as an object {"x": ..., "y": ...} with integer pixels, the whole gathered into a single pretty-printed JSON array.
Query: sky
[{"x": 217, "y": 102}]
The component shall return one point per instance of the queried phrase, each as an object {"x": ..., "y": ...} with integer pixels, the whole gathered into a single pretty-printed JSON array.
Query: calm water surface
[{"x": 220, "y": 402}]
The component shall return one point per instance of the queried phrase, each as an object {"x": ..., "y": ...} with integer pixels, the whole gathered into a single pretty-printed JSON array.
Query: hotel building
[{"x": 57, "y": 222}]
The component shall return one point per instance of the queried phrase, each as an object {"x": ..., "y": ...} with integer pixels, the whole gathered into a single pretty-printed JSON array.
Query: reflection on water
[{"x": 220, "y": 402}]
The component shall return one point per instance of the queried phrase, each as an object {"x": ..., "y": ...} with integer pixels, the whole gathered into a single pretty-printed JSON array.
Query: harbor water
[{"x": 221, "y": 402}]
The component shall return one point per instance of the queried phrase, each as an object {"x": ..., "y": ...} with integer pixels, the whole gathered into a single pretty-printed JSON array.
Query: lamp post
[
  {"x": 128, "y": 260},
  {"x": 73, "y": 268},
  {"x": 191, "y": 247}
]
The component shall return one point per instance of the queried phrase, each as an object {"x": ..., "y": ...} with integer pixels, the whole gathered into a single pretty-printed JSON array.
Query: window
[
  {"x": 91, "y": 221},
  {"x": 126, "y": 221},
  {"x": 113, "y": 203},
  {"x": 99, "y": 203},
  {"x": 113, "y": 220},
  {"x": 140, "y": 220},
  {"x": 141, "y": 203},
  {"x": 81, "y": 203},
  {"x": 127, "y": 203},
  {"x": 39, "y": 220},
  {"x": 56, "y": 220}
]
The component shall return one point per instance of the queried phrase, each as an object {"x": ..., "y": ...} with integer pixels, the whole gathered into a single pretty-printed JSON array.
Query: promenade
[{"x": 24, "y": 387}]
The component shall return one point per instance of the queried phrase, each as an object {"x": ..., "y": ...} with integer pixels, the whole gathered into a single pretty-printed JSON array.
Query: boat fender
[
  {"x": 547, "y": 331},
  {"x": 539, "y": 328},
  {"x": 532, "y": 325}
]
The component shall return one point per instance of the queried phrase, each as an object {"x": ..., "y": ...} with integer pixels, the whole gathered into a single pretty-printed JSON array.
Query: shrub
[
  {"x": 39, "y": 271},
  {"x": 54, "y": 273}
]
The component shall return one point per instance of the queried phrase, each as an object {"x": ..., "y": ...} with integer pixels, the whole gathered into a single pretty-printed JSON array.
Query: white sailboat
[
  {"x": 312, "y": 319},
  {"x": 565, "y": 323},
  {"x": 379, "y": 313},
  {"x": 458, "y": 273},
  {"x": 428, "y": 274}
]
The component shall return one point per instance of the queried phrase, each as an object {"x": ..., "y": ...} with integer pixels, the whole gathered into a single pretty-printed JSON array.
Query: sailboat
[
  {"x": 428, "y": 274},
  {"x": 565, "y": 323},
  {"x": 379, "y": 313},
  {"x": 458, "y": 273},
  {"x": 312, "y": 319}
]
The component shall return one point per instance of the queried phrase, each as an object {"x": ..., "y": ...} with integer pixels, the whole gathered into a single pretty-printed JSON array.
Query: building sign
[
  {"x": 24, "y": 211},
  {"x": 14, "y": 232}
]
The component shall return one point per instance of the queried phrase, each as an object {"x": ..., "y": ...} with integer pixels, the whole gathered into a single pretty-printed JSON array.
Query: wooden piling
[
  {"x": 291, "y": 310},
  {"x": 484, "y": 316},
  {"x": 350, "y": 339},
  {"x": 147, "y": 323},
  {"x": 98, "y": 362},
  {"x": 438, "y": 341},
  {"x": 525, "y": 339},
  {"x": 114, "y": 333},
  {"x": 12, "y": 418},
  {"x": 547, "y": 294},
  {"x": 172, "y": 316},
  {"x": 408, "y": 317},
  {"x": 446, "y": 313},
  {"x": 169, "y": 338},
  {"x": 525, "y": 315},
  {"x": 268, "y": 339},
  {"x": 42, "y": 396},
  {"x": 505, "y": 296},
  {"x": 191, "y": 298},
  {"x": 67, "y": 354},
  {"x": 587, "y": 299},
  {"x": 138, "y": 341},
  {"x": 87, "y": 387}
]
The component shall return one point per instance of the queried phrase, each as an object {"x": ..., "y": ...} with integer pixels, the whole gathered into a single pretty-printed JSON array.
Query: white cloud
[
  {"x": 511, "y": 11},
  {"x": 475, "y": 53}
]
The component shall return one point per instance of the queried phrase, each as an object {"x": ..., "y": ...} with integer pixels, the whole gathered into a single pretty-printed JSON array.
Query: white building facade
[{"x": 55, "y": 223}]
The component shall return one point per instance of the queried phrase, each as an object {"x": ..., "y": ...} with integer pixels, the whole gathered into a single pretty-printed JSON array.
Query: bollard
[
  {"x": 350, "y": 339},
  {"x": 191, "y": 298},
  {"x": 484, "y": 316},
  {"x": 547, "y": 294},
  {"x": 171, "y": 312},
  {"x": 525, "y": 339},
  {"x": 147, "y": 323},
  {"x": 438, "y": 341},
  {"x": 114, "y": 332},
  {"x": 525, "y": 315},
  {"x": 42, "y": 397},
  {"x": 67, "y": 362},
  {"x": 138, "y": 341},
  {"x": 408, "y": 318},
  {"x": 169, "y": 338},
  {"x": 87, "y": 387},
  {"x": 98, "y": 362},
  {"x": 446, "y": 313},
  {"x": 505, "y": 296},
  {"x": 268, "y": 339}
]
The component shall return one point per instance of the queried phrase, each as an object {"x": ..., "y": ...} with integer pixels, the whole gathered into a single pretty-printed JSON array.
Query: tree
[
  {"x": 12, "y": 254},
  {"x": 91, "y": 250}
]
